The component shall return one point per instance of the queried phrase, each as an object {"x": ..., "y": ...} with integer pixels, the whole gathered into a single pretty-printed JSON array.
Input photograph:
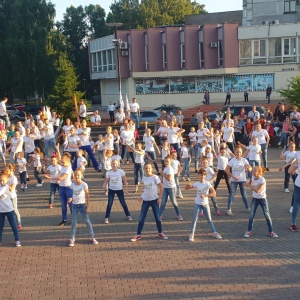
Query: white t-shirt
[
  {"x": 260, "y": 135},
  {"x": 134, "y": 107},
  {"x": 54, "y": 171},
  {"x": 254, "y": 152},
  {"x": 127, "y": 136},
  {"x": 37, "y": 161},
  {"x": 49, "y": 132},
  {"x": 172, "y": 134},
  {"x": 202, "y": 188},
  {"x": 209, "y": 174},
  {"x": 115, "y": 179},
  {"x": 72, "y": 142},
  {"x": 222, "y": 162},
  {"x": 81, "y": 163},
  {"x": 149, "y": 146},
  {"x": 79, "y": 192},
  {"x": 193, "y": 136},
  {"x": 169, "y": 184},
  {"x": 67, "y": 181},
  {"x": 82, "y": 111},
  {"x": 294, "y": 115},
  {"x": 107, "y": 163},
  {"x": 36, "y": 132},
  {"x": 210, "y": 157},
  {"x": 228, "y": 134},
  {"x": 15, "y": 147},
  {"x": 84, "y": 138},
  {"x": 231, "y": 122},
  {"x": 67, "y": 129},
  {"x": 150, "y": 187},
  {"x": 109, "y": 144},
  {"x": 2, "y": 109},
  {"x": 201, "y": 136},
  {"x": 238, "y": 168},
  {"x": 29, "y": 143},
  {"x": 139, "y": 158},
  {"x": 120, "y": 117},
  {"x": 22, "y": 164},
  {"x": 111, "y": 107},
  {"x": 164, "y": 153},
  {"x": 95, "y": 119},
  {"x": 175, "y": 165},
  {"x": 185, "y": 152},
  {"x": 162, "y": 132},
  {"x": 13, "y": 180},
  {"x": 289, "y": 155},
  {"x": 256, "y": 182},
  {"x": 6, "y": 204}
]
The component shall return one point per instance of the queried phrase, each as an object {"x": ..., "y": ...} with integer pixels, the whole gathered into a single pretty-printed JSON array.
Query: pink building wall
[
  {"x": 210, "y": 34},
  {"x": 230, "y": 46},
  {"x": 173, "y": 48},
  {"x": 124, "y": 60},
  {"x": 191, "y": 47},
  {"x": 155, "y": 55},
  {"x": 137, "y": 50}
]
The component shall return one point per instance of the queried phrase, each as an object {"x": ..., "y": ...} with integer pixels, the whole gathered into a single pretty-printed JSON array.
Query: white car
[{"x": 149, "y": 115}]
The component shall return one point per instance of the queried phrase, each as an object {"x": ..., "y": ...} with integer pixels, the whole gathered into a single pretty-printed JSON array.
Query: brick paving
[{"x": 232, "y": 268}]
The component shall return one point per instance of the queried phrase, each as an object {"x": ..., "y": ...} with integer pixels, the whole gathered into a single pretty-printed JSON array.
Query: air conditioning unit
[
  {"x": 123, "y": 45},
  {"x": 275, "y": 22},
  {"x": 264, "y": 22},
  {"x": 213, "y": 45},
  {"x": 124, "y": 53}
]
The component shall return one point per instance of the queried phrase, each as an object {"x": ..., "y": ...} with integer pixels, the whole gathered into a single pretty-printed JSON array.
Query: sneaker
[
  {"x": 50, "y": 205},
  {"x": 180, "y": 218},
  {"x": 163, "y": 236},
  {"x": 286, "y": 190},
  {"x": 136, "y": 238},
  {"x": 20, "y": 227},
  {"x": 201, "y": 215},
  {"x": 273, "y": 234},
  {"x": 216, "y": 235},
  {"x": 183, "y": 179},
  {"x": 39, "y": 185},
  {"x": 129, "y": 218},
  {"x": 62, "y": 223},
  {"x": 279, "y": 144},
  {"x": 180, "y": 195},
  {"x": 127, "y": 162},
  {"x": 294, "y": 228},
  {"x": 71, "y": 243},
  {"x": 247, "y": 234},
  {"x": 229, "y": 212},
  {"x": 191, "y": 237},
  {"x": 291, "y": 209},
  {"x": 106, "y": 221},
  {"x": 18, "y": 244},
  {"x": 248, "y": 210},
  {"x": 94, "y": 241},
  {"x": 188, "y": 179},
  {"x": 218, "y": 213}
]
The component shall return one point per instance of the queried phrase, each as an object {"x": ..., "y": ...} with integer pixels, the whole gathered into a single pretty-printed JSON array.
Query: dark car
[
  {"x": 235, "y": 110},
  {"x": 168, "y": 108},
  {"x": 20, "y": 116}
]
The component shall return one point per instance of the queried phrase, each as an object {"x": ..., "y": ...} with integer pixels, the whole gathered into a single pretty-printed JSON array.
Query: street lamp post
[{"x": 117, "y": 42}]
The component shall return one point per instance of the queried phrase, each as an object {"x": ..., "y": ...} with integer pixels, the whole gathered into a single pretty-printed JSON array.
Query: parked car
[
  {"x": 96, "y": 99},
  {"x": 168, "y": 108},
  {"x": 235, "y": 110},
  {"x": 149, "y": 115},
  {"x": 11, "y": 110},
  {"x": 20, "y": 116}
]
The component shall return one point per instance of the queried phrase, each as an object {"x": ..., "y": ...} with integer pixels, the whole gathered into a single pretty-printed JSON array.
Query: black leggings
[
  {"x": 123, "y": 153},
  {"x": 222, "y": 174}
]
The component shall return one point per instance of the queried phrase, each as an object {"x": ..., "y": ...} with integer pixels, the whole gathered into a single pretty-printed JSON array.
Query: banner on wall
[
  {"x": 156, "y": 86},
  {"x": 139, "y": 86},
  {"x": 211, "y": 84},
  {"x": 182, "y": 85},
  {"x": 238, "y": 83},
  {"x": 261, "y": 81}
]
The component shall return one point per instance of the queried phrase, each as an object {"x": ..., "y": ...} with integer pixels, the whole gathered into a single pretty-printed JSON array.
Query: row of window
[
  {"x": 103, "y": 61},
  {"x": 290, "y": 6}
]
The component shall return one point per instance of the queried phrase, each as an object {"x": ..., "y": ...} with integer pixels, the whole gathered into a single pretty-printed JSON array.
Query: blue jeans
[
  {"x": 53, "y": 188},
  {"x": 186, "y": 167},
  {"x": 138, "y": 169},
  {"x": 23, "y": 177},
  {"x": 176, "y": 178},
  {"x": 111, "y": 196},
  {"x": 287, "y": 177},
  {"x": 12, "y": 222},
  {"x": 206, "y": 211},
  {"x": 80, "y": 208},
  {"x": 37, "y": 175},
  {"x": 283, "y": 138},
  {"x": 171, "y": 192},
  {"x": 233, "y": 188},
  {"x": 135, "y": 117},
  {"x": 264, "y": 151},
  {"x": 48, "y": 143},
  {"x": 89, "y": 151},
  {"x": 100, "y": 155},
  {"x": 65, "y": 193},
  {"x": 253, "y": 163},
  {"x": 153, "y": 157},
  {"x": 73, "y": 156},
  {"x": 144, "y": 210},
  {"x": 265, "y": 208},
  {"x": 296, "y": 203}
]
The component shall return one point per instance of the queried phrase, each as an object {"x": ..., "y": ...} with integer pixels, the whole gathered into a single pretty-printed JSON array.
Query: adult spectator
[
  {"x": 242, "y": 116},
  {"x": 286, "y": 132},
  {"x": 95, "y": 118},
  {"x": 248, "y": 128},
  {"x": 120, "y": 116},
  {"x": 164, "y": 115},
  {"x": 295, "y": 116},
  {"x": 246, "y": 94},
  {"x": 82, "y": 110},
  {"x": 174, "y": 133},
  {"x": 127, "y": 138},
  {"x": 49, "y": 140},
  {"x": 220, "y": 115},
  {"x": 268, "y": 115},
  {"x": 3, "y": 113},
  {"x": 216, "y": 124},
  {"x": 280, "y": 115},
  {"x": 135, "y": 112},
  {"x": 206, "y": 98},
  {"x": 228, "y": 96},
  {"x": 268, "y": 93},
  {"x": 16, "y": 146},
  {"x": 111, "y": 110},
  {"x": 254, "y": 114},
  {"x": 199, "y": 115}
]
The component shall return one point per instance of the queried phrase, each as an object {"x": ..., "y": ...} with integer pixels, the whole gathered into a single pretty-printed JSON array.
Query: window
[
  {"x": 274, "y": 51},
  {"x": 182, "y": 55},
  {"x": 103, "y": 60},
  {"x": 164, "y": 52},
  {"x": 290, "y": 6},
  {"x": 201, "y": 55},
  {"x": 94, "y": 62},
  {"x": 220, "y": 53},
  {"x": 289, "y": 50},
  {"x": 259, "y": 52},
  {"x": 245, "y": 52}
]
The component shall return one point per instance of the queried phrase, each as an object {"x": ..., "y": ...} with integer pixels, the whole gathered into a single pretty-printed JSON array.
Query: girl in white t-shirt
[
  {"x": 165, "y": 151},
  {"x": 36, "y": 157},
  {"x": 221, "y": 166},
  {"x": 217, "y": 140},
  {"x": 80, "y": 202},
  {"x": 204, "y": 190},
  {"x": 115, "y": 178},
  {"x": 169, "y": 189},
  {"x": 228, "y": 135},
  {"x": 151, "y": 197},
  {"x": 22, "y": 163},
  {"x": 236, "y": 169},
  {"x": 259, "y": 197},
  {"x": 99, "y": 148},
  {"x": 175, "y": 163},
  {"x": 186, "y": 156},
  {"x": 253, "y": 152},
  {"x": 192, "y": 139}
]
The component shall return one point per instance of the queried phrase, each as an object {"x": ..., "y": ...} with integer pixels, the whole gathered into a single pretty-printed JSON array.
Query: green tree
[
  {"x": 292, "y": 92},
  {"x": 96, "y": 16}
]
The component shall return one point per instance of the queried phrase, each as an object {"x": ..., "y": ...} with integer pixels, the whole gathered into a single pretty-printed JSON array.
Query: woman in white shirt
[
  {"x": 228, "y": 134},
  {"x": 127, "y": 137},
  {"x": 236, "y": 169},
  {"x": 202, "y": 134},
  {"x": 73, "y": 143},
  {"x": 173, "y": 132},
  {"x": 16, "y": 146}
]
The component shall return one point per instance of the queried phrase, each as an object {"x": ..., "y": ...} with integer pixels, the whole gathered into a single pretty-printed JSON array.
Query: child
[
  {"x": 217, "y": 140},
  {"x": 165, "y": 151},
  {"x": 7, "y": 209},
  {"x": 221, "y": 166},
  {"x": 229, "y": 153},
  {"x": 91, "y": 143},
  {"x": 186, "y": 155},
  {"x": 258, "y": 186},
  {"x": 204, "y": 145},
  {"x": 54, "y": 171},
  {"x": 204, "y": 190},
  {"x": 21, "y": 161},
  {"x": 193, "y": 139},
  {"x": 228, "y": 135},
  {"x": 180, "y": 118},
  {"x": 80, "y": 203},
  {"x": 208, "y": 154},
  {"x": 81, "y": 162},
  {"x": 150, "y": 198},
  {"x": 12, "y": 183},
  {"x": 99, "y": 146},
  {"x": 210, "y": 139},
  {"x": 169, "y": 189},
  {"x": 291, "y": 136},
  {"x": 177, "y": 170},
  {"x": 116, "y": 140},
  {"x": 3, "y": 146},
  {"x": 115, "y": 178},
  {"x": 106, "y": 164},
  {"x": 37, "y": 166},
  {"x": 116, "y": 156}
]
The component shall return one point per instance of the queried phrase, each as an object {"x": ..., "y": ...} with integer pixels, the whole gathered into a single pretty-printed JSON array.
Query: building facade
[{"x": 176, "y": 65}]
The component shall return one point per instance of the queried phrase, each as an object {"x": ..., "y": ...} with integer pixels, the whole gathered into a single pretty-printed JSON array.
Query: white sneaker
[
  {"x": 229, "y": 212},
  {"x": 71, "y": 243},
  {"x": 279, "y": 144},
  {"x": 180, "y": 195},
  {"x": 39, "y": 185},
  {"x": 286, "y": 190},
  {"x": 191, "y": 237},
  {"x": 188, "y": 179},
  {"x": 163, "y": 236},
  {"x": 94, "y": 241},
  {"x": 106, "y": 221},
  {"x": 291, "y": 209},
  {"x": 216, "y": 235},
  {"x": 248, "y": 210},
  {"x": 18, "y": 244}
]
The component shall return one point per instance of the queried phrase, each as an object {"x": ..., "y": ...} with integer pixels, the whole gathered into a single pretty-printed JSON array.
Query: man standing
[
  {"x": 268, "y": 93},
  {"x": 3, "y": 113},
  {"x": 135, "y": 112},
  {"x": 82, "y": 110},
  {"x": 228, "y": 96},
  {"x": 111, "y": 110}
]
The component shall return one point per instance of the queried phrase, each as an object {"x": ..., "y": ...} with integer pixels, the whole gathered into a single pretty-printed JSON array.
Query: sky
[{"x": 210, "y": 5}]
